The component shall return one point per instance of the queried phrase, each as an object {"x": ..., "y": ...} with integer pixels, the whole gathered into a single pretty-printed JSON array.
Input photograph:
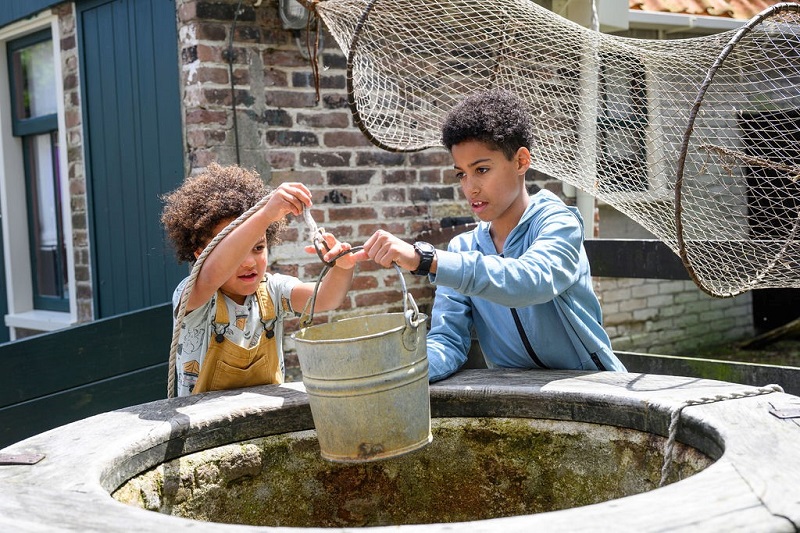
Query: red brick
[
  {"x": 212, "y": 74},
  {"x": 72, "y": 118},
  {"x": 396, "y": 228},
  {"x": 289, "y": 270},
  {"x": 376, "y": 298},
  {"x": 280, "y": 159},
  {"x": 364, "y": 282},
  {"x": 350, "y": 177},
  {"x": 380, "y": 158},
  {"x": 205, "y": 116},
  {"x": 275, "y": 78},
  {"x": 201, "y": 158},
  {"x": 325, "y": 159},
  {"x": 399, "y": 176},
  {"x": 207, "y": 31},
  {"x": 333, "y": 119},
  {"x": 291, "y": 138},
  {"x": 368, "y": 266},
  {"x": 421, "y": 226},
  {"x": 309, "y": 177},
  {"x": 345, "y": 138},
  {"x": 431, "y": 158},
  {"x": 68, "y": 43},
  {"x": 209, "y": 54},
  {"x": 298, "y": 99},
  {"x": 351, "y": 213},
  {"x": 389, "y": 194},
  {"x": 342, "y": 232},
  {"x": 430, "y": 194},
  {"x": 448, "y": 177},
  {"x": 407, "y": 211},
  {"x": 284, "y": 58}
]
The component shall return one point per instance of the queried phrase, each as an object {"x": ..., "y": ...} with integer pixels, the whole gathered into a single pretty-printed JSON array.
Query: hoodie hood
[{"x": 539, "y": 204}]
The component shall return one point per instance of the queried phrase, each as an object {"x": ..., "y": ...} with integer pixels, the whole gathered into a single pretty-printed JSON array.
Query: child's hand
[
  {"x": 385, "y": 249},
  {"x": 288, "y": 199},
  {"x": 334, "y": 248}
]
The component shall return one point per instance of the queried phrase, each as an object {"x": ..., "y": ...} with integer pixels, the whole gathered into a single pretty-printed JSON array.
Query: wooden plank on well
[
  {"x": 58, "y": 361},
  {"x": 22, "y": 420}
]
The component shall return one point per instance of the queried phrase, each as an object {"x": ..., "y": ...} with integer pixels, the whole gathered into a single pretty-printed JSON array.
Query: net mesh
[{"x": 697, "y": 140}]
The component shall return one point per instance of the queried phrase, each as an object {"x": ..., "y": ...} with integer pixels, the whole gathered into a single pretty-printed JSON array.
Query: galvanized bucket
[{"x": 367, "y": 384}]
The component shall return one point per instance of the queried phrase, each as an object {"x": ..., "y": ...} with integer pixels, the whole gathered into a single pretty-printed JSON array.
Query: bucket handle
[{"x": 410, "y": 309}]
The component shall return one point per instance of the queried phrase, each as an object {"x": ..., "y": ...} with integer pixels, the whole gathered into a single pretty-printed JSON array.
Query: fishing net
[{"x": 697, "y": 140}]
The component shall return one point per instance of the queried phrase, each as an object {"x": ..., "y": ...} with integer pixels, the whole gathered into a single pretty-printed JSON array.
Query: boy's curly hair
[
  {"x": 193, "y": 210},
  {"x": 496, "y": 117}
]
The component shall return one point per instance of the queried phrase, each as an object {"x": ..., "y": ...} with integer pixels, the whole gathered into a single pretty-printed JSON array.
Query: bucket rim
[{"x": 421, "y": 320}]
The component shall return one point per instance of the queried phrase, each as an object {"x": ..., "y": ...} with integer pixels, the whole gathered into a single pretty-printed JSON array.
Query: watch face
[{"x": 426, "y": 252}]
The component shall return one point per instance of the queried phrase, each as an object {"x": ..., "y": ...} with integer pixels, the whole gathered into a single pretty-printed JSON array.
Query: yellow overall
[{"x": 230, "y": 366}]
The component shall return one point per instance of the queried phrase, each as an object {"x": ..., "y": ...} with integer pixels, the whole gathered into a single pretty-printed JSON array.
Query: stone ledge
[{"x": 751, "y": 486}]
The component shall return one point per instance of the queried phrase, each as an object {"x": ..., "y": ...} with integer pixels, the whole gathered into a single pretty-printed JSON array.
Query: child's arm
[
  {"x": 552, "y": 263},
  {"x": 385, "y": 249},
  {"x": 335, "y": 284},
  {"x": 228, "y": 254}
]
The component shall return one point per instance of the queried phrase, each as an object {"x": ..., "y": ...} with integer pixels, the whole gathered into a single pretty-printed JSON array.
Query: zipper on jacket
[
  {"x": 597, "y": 362},
  {"x": 525, "y": 340}
]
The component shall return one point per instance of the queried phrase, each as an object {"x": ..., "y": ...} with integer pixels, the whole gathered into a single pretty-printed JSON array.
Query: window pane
[
  {"x": 34, "y": 80},
  {"x": 47, "y": 239}
]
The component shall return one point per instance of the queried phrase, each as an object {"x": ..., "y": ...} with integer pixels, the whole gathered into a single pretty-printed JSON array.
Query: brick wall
[
  {"x": 286, "y": 134},
  {"x": 75, "y": 161},
  {"x": 670, "y": 317}
]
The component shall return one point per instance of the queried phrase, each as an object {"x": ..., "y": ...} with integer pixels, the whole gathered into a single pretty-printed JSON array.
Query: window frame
[
  {"x": 27, "y": 129},
  {"x": 636, "y": 179},
  {"x": 22, "y": 313}
]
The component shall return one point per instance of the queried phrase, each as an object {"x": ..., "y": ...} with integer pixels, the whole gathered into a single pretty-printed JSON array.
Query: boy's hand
[
  {"x": 288, "y": 199},
  {"x": 334, "y": 248},
  {"x": 385, "y": 249}
]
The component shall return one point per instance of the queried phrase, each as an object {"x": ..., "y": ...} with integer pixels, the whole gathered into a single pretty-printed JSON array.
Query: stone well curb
[{"x": 752, "y": 486}]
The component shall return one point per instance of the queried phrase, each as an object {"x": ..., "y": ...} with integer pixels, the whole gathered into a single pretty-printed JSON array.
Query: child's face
[
  {"x": 250, "y": 271},
  {"x": 493, "y": 185}
]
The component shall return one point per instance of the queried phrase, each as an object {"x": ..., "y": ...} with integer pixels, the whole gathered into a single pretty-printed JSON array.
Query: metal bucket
[{"x": 367, "y": 384}]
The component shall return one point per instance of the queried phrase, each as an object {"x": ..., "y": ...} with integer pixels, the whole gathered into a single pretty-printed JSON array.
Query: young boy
[
  {"x": 521, "y": 277},
  {"x": 232, "y": 333}
]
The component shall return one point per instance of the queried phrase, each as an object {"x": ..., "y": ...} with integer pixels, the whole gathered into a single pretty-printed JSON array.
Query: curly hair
[
  {"x": 496, "y": 117},
  {"x": 193, "y": 210}
]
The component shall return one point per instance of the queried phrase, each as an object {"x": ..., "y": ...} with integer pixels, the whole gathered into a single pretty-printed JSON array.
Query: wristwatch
[{"x": 426, "y": 253}]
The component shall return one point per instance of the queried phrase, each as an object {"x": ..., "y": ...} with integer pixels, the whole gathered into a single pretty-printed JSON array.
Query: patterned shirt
[{"x": 245, "y": 329}]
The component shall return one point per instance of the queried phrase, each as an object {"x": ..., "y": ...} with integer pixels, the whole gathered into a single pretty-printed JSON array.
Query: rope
[
  {"x": 190, "y": 285},
  {"x": 316, "y": 238},
  {"x": 676, "y": 415}
]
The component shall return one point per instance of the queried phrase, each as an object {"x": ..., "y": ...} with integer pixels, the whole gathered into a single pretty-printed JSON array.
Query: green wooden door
[{"x": 132, "y": 120}]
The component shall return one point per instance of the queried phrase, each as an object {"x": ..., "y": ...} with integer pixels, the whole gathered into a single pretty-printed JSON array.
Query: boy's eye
[
  {"x": 460, "y": 175},
  {"x": 259, "y": 247},
  {"x": 482, "y": 170}
]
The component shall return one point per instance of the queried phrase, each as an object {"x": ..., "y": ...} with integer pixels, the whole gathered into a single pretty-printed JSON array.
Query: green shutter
[{"x": 132, "y": 124}]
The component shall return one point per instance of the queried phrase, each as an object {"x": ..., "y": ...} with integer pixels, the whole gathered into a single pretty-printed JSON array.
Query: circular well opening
[{"x": 475, "y": 469}]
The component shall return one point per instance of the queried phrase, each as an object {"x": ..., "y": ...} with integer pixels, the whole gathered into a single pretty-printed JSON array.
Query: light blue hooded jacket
[{"x": 540, "y": 286}]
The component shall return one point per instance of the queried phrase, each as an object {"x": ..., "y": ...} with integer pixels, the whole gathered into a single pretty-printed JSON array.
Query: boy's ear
[
  {"x": 197, "y": 253},
  {"x": 523, "y": 158}
]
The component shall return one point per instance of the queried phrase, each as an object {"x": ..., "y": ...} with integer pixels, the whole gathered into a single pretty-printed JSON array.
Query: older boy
[
  {"x": 232, "y": 334},
  {"x": 521, "y": 277}
]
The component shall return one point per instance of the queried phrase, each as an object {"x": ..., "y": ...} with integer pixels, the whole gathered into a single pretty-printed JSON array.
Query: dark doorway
[{"x": 773, "y": 202}]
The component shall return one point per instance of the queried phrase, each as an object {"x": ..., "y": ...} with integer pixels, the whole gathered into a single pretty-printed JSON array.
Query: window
[
  {"x": 622, "y": 123},
  {"x": 34, "y": 121}
]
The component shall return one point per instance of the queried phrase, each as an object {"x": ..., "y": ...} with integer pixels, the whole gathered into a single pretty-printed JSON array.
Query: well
[
  {"x": 512, "y": 451},
  {"x": 475, "y": 469}
]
